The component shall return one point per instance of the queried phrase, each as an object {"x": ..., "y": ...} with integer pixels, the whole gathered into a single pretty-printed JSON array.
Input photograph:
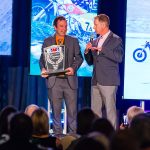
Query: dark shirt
[
  {"x": 18, "y": 144},
  {"x": 45, "y": 142}
]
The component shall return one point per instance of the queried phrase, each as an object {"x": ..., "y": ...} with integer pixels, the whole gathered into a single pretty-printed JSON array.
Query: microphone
[{"x": 91, "y": 38}]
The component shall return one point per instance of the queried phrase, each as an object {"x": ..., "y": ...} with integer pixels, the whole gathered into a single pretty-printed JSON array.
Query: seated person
[
  {"x": 4, "y": 115},
  {"x": 41, "y": 134},
  {"x": 30, "y": 109},
  {"x": 20, "y": 131},
  {"x": 131, "y": 113}
]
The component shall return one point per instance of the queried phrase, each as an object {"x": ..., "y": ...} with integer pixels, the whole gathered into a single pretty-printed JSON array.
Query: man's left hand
[{"x": 69, "y": 71}]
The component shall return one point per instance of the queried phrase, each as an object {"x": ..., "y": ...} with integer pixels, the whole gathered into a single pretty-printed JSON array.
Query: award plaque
[{"x": 54, "y": 59}]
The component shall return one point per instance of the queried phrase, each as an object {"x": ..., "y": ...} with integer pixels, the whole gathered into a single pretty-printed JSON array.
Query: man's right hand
[
  {"x": 43, "y": 73},
  {"x": 88, "y": 47}
]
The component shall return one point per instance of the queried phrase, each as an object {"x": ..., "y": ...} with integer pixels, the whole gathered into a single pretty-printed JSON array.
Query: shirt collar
[{"x": 105, "y": 35}]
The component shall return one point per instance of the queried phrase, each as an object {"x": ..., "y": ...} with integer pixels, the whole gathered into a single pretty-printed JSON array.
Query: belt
[{"x": 62, "y": 77}]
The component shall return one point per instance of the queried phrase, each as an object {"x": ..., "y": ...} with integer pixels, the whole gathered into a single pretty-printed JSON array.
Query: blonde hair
[
  {"x": 30, "y": 109},
  {"x": 133, "y": 111},
  {"x": 40, "y": 122}
]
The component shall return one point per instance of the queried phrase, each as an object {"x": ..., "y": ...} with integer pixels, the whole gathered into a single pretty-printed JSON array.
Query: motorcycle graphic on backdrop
[
  {"x": 78, "y": 25},
  {"x": 140, "y": 54}
]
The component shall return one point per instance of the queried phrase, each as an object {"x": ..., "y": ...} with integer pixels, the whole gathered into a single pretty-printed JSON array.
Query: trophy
[{"x": 54, "y": 57}]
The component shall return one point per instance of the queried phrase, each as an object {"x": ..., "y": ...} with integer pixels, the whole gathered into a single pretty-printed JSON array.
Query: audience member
[
  {"x": 20, "y": 131},
  {"x": 140, "y": 126},
  {"x": 41, "y": 134},
  {"x": 131, "y": 113},
  {"x": 100, "y": 137},
  {"x": 66, "y": 141},
  {"x": 89, "y": 144},
  {"x": 103, "y": 126},
  {"x": 85, "y": 119},
  {"x": 30, "y": 109},
  {"x": 4, "y": 115},
  {"x": 124, "y": 140}
]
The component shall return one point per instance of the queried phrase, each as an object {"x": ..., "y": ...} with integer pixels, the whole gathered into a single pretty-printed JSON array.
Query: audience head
[
  {"x": 89, "y": 143},
  {"x": 133, "y": 111},
  {"x": 140, "y": 126},
  {"x": 103, "y": 126},
  {"x": 40, "y": 122},
  {"x": 100, "y": 138},
  {"x": 4, "y": 114},
  {"x": 124, "y": 140},
  {"x": 85, "y": 118},
  {"x": 30, "y": 109},
  {"x": 20, "y": 126}
]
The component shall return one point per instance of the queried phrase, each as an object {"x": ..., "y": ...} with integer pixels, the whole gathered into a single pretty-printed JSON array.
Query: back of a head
[
  {"x": 100, "y": 137},
  {"x": 40, "y": 122},
  {"x": 124, "y": 140},
  {"x": 89, "y": 144},
  {"x": 140, "y": 125},
  {"x": 30, "y": 109},
  {"x": 133, "y": 111},
  {"x": 4, "y": 114},
  {"x": 85, "y": 118},
  {"x": 103, "y": 126},
  {"x": 20, "y": 126}
]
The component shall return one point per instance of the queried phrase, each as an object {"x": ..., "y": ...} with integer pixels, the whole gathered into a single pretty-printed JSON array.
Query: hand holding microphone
[
  {"x": 89, "y": 45},
  {"x": 91, "y": 38}
]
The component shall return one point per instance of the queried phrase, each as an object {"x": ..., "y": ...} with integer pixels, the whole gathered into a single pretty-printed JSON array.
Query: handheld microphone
[{"x": 91, "y": 38}]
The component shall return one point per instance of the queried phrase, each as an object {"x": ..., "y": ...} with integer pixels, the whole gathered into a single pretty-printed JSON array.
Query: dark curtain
[{"x": 17, "y": 87}]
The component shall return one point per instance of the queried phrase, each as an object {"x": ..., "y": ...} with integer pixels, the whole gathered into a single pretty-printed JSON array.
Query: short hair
[
  {"x": 4, "y": 115},
  {"x": 133, "y": 111},
  {"x": 140, "y": 126},
  {"x": 124, "y": 140},
  {"x": 58, "y": 18},
  {"x": 85, "y": 119},
  {"x": 103, "y": 18},
  {"x": 20, "y": 126},
  {"x": 40, "y": 122},
  {"x": 103, "y": 126},
  {"x": 30, "y": 109}
]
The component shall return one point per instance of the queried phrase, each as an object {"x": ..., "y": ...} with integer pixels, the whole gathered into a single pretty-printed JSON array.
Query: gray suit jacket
[
  {"x": 106, "y": 64},
  {"x": 73, "y": 59}
]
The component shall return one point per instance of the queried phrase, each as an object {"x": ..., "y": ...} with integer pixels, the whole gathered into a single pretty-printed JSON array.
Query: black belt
[{"x": 62, "y": 77}]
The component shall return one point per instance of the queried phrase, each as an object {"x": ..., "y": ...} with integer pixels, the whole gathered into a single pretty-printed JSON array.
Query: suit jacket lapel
[
  {"x": 66, "y": 43},
  {"x": 107, "y": 39},
  {"x": 53, "y": 39}
]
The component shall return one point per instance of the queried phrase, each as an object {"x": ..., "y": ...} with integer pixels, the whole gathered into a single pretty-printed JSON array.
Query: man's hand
[
  {"x": 69, "y": 71},
  {"x": 43, "y": 73},
  {"x": 96, "y": 48},
  {"x": 88, "y": 47}
]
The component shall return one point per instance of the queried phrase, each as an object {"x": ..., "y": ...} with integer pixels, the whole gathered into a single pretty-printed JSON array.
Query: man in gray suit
[
  {"x": 63, "y": 86},
  {"x": 104, "y": 53}
]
